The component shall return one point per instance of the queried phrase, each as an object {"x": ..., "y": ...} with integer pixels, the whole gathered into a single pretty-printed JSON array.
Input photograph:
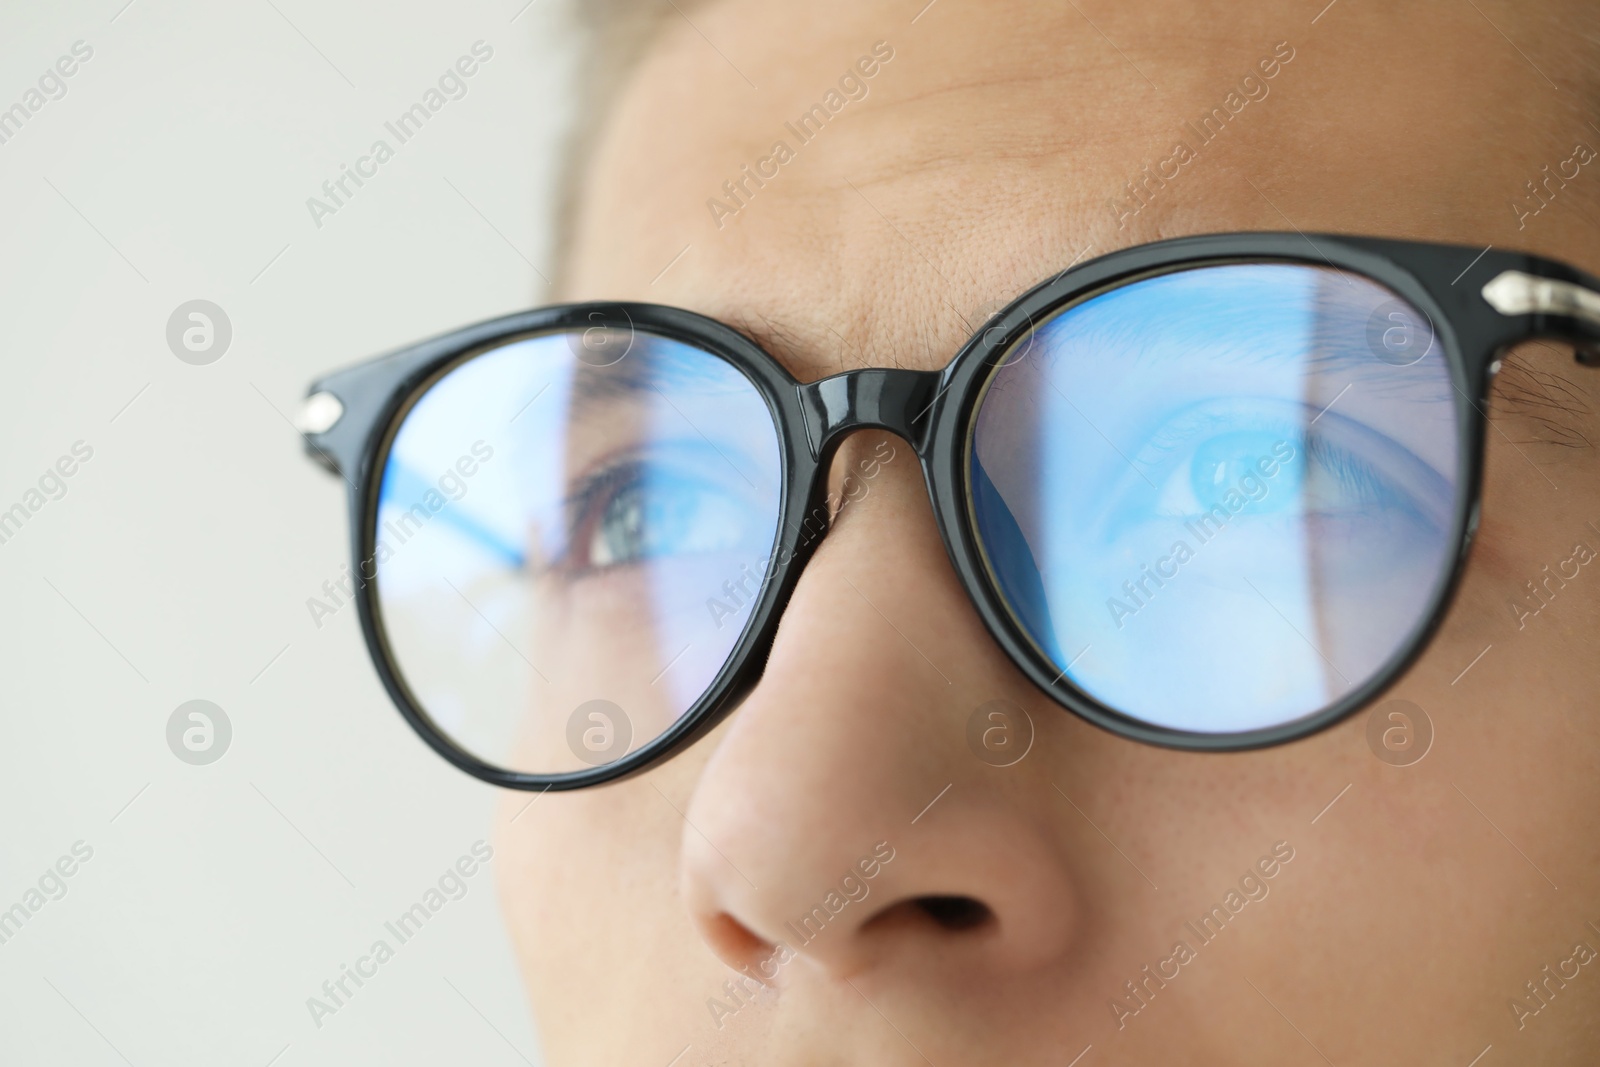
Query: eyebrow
[
  {"x": 631, "y": 377},
  {"x": 775, "y": 338},
  {"x": 1320, "y": 328},
  {"x": 1550, "y": 400},
  {"x": 1233, "y": 358}
]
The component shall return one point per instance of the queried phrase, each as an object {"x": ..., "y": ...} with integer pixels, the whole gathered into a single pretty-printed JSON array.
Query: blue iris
[
  {"x": 1244, "y": 460},
  {"x": 649, "y": 512}
]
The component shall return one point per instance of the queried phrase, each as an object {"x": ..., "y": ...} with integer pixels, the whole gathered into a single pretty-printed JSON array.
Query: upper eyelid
[
  {"x": 1192, "y": 423},
  {"x": 1321, "y": 443},
  {"x": 573, "y": 508},
  {"x": 612, "y": 474},
  {"x": 623, "y": 468},
  {"x": 1198, "y": 417},
  {"x": 1167, "y": 439}
]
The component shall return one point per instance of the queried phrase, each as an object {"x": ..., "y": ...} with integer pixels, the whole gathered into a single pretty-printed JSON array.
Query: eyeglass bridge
[{"x": 887, "y": 398}]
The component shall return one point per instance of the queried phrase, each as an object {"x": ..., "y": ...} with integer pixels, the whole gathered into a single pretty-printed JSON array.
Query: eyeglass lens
[
  {"x": 571, "y": 530},
  {"x": 1221, "y": 499}
]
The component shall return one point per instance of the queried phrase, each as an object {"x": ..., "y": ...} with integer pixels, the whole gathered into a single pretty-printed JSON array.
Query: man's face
[{"x": 1299, "y": 904}]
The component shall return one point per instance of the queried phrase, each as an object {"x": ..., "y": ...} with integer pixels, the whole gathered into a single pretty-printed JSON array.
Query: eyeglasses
[{"x": 1212, "y": 493}]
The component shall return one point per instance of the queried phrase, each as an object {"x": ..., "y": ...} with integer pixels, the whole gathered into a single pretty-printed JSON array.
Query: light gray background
[{"x": 179, "y": 563}]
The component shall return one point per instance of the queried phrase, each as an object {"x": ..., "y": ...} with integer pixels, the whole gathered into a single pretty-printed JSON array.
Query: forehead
[{"x": 853, "y": 187}]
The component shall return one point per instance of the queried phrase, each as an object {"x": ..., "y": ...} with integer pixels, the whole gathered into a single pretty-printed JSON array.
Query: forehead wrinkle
[
  {"x": 811, "y": 347},
  {"x": 903, "y": 325},
  {"x": 980, "y": 220}
]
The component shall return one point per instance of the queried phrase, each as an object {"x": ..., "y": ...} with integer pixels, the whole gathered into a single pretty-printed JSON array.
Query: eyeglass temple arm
[
  {"x": 1515, "y": 292},
  {"x": 342, "y": 409}
]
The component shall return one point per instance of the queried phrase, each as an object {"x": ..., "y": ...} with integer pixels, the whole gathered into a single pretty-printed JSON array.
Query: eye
[
  {"x": 1256, "y": 462},
  {"x": 1266, "y": 473},
  {"x": 643, "y": 511}
]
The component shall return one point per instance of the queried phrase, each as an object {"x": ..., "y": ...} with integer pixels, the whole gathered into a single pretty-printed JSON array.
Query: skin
[{"x": 979, "y": 165}]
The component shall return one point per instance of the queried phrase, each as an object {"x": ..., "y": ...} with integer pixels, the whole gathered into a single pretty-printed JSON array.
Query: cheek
[
  {"x": 1452, "y": 863},
  {"x": 588, "y": 888},
  {"x": 642, "y": 639}
]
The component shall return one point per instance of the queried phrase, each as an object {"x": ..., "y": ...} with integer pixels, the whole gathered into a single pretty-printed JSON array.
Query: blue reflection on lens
[
  {"x": 1209, "y": 502},
  {"x": 552, "y": 531}
]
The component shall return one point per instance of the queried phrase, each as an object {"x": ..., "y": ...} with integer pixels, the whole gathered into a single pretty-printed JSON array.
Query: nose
[{"x": 843, "y": 820}]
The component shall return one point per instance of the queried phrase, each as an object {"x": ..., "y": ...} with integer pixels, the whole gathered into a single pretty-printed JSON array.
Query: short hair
[{"x": 611, "y": 37}]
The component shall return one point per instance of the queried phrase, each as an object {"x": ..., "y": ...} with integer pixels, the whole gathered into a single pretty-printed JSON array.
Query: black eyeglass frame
[{"x": 933, "y": 410}]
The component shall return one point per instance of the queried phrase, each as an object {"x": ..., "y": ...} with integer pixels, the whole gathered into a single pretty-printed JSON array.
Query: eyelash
[
  {"x": 1180, "y": 435},
  {"x": 1352, "y": 471},
  {"x": 585, "y": 506}
]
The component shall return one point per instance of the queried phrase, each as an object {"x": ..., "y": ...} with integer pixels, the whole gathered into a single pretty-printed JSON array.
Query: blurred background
[{"x": 238, "y": 861}]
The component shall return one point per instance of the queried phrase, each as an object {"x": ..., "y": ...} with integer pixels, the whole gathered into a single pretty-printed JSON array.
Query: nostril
[
  {"x": 734, "y": 942},
  {"x": 949, "y": 912},
  {"x": 954, "y": 912}
]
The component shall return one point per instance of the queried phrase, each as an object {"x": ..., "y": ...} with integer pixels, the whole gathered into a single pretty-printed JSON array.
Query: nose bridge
[{"x": 886, "y": 398}]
